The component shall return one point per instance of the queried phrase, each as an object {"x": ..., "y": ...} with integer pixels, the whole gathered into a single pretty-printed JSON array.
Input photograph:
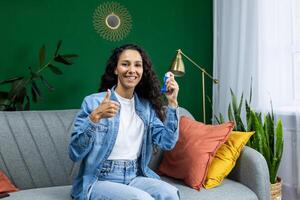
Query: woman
[{"x": 114, "y": 132}]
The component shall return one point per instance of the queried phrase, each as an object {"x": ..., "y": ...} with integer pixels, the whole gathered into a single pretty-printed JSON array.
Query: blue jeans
[{"x": 121, "y": 180}]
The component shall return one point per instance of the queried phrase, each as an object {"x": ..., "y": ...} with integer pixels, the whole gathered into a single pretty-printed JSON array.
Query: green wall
[{"x": 160, "y": 27}]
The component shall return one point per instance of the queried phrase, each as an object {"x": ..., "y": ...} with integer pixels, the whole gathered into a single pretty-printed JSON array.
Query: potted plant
[
  {"x": 268, "y": 140},
  {"x": 17, "y": 98},
  {"x": 268, "y": 137}
]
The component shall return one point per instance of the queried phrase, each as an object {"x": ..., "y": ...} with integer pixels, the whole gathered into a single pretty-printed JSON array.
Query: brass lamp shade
[{"x": 177, "y": 67}]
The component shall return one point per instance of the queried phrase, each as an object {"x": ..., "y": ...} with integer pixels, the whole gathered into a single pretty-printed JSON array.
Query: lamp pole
[
  {"x": 203, "y": 97},
  {"x": 180, "y": 70}
]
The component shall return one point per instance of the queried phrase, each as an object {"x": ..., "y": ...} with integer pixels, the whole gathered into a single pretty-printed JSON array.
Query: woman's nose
[{"x": 131, "y": 69}]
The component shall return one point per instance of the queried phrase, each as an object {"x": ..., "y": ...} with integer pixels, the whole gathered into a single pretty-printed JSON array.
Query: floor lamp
[{"x": 178, "y": 69}]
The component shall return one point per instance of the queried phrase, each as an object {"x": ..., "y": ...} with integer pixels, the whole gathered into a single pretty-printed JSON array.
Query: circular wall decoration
[{"x": 112, "y": 21}]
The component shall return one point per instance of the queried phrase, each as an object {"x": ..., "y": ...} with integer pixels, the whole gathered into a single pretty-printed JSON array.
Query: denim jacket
[{"x": 91, "y": 143}]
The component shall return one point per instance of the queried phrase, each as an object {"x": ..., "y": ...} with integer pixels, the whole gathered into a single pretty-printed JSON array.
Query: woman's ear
[{"x": 115, "y": 72}]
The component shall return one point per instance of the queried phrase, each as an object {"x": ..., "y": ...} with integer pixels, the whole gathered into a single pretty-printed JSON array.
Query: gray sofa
[{"x": 34, "y": 155}]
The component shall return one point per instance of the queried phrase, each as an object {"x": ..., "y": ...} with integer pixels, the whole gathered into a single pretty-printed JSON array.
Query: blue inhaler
[{"x": 164, "y": 88}]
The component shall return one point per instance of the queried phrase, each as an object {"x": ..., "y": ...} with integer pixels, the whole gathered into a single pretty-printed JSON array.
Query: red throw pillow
[
  {"x": 194, "y": 151},
  {"x": 5, "y": 184}
]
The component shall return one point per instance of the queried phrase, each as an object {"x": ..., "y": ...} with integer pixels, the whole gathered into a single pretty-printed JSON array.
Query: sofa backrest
[{"x": 34, "y": 147}]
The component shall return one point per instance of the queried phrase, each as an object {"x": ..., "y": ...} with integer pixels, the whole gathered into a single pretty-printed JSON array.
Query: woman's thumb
[{"x": 107, "y": 96}]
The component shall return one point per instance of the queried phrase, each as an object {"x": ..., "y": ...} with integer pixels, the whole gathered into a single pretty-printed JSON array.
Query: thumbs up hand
[{"x": 106, "y": 109}]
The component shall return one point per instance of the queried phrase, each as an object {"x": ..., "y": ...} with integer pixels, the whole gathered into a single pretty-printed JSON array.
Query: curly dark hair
[{"x": 149, "y": 86}]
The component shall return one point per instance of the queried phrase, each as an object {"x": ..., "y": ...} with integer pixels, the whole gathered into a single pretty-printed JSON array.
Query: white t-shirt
[{"x": 131, "y": 128}]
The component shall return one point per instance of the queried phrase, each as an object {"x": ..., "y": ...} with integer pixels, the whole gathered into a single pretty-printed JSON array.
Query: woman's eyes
[{"x": 127, "y": 64}]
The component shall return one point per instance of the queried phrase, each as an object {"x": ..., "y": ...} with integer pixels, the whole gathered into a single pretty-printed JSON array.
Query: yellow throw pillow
[{"x": 225, "y": 158}]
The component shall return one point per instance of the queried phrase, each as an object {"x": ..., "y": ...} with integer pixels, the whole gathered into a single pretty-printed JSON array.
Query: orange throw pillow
[
  {"x": 194, "y": 151},
  {"x": 5, "y": 184}
]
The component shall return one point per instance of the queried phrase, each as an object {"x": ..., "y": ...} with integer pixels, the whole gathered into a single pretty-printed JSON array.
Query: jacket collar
[{"x": 139, "y": 105}]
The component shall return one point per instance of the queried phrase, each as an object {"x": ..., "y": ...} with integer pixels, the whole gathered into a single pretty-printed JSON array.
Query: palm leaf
[
  {"x": 55, "y": 69},
  {"x": 69, "y": 55},
  {"x": 46, "y": 83},
  {"x": 36, "y": 93},
  {"x": 11, "y": 80},
  {"x": 57, "y": 47},
  {"x": 62, "y": 60},
  {"x": 27, "y": 105}
]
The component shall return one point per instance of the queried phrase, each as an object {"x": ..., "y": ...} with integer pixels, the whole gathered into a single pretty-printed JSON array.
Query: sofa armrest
[{"x": 252, "y": 170}]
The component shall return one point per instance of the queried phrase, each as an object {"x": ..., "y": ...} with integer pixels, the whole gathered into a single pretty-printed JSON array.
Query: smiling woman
[{"x": 112, "y": 131}]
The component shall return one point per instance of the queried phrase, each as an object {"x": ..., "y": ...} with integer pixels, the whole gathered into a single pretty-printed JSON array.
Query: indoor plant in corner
[
  {"x": 17, "y": 98},
  {"x": 267, "y": 139}
]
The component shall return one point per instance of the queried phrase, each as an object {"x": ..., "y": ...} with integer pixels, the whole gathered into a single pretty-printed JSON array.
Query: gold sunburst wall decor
[{"x": 112, "y": 21}]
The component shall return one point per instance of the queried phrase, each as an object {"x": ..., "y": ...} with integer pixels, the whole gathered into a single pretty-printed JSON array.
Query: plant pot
[{"x": 275, "y": 190}]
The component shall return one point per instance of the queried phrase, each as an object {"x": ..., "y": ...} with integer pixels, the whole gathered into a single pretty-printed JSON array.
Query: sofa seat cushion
[
  {"x": 48, "y": 193},
  {"x": 228, "y": 190}
]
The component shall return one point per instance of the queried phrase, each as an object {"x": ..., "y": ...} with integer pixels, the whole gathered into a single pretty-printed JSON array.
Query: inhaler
[{"x": 164, "y": 88}]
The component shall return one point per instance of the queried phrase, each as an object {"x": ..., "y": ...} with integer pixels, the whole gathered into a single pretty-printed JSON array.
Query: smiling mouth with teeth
[{"x": 131, "y": 78}]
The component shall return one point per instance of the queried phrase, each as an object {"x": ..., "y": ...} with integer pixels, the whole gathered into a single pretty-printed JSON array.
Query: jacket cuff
[
  {"x": 172, "y": 113},
  {"x": 91, "y": 127}
]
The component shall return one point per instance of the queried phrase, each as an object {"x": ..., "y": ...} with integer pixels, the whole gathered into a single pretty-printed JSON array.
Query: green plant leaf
[
  {"x": 251, "y": 127},
  {"x": 27, "y": 105},
  {"x": 260, "y": 143},
  {"x": 217, "y": 119},
  {"x": 248, "y": 112},
  {"x": 58, "y": 47},
  {"x": 211, "y": 107},
  {"x": 272, "y": 113},
  {"x": 269, "y": 126},
  {"x": 62, "y": 60},
  {"x": 42, "y": 55},
  {"x": 233, "y": 101},
  {"x": 36, "y": 94},
  {"x": 259, "y": 118},
  {"x": 279, "y": 140},
  {"x": 5, "y": 103},
  {"x": 259, "y": 135},
  {"x": 69, "y": 56},
  {"x": 4, "y": 100},
  {"x": 11, "y": 80},
  {"x": 19, "y": 99},
  {"x": 220, "y": 119},
  {"x": 240, "y": 105},
  {"x": 46, "y": 83},
  {"x": 55, "y": 70},
  {"x": 17, "y": 87},
  {"x": 33, "y": 75},
  {"x": 250, "y": 95},
  {"x": 230, "y": 115},
  {"x": 239, "y": 124}
]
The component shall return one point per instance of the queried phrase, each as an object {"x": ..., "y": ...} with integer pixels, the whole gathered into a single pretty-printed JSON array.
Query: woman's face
[{"x": 129, "y": 69}]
